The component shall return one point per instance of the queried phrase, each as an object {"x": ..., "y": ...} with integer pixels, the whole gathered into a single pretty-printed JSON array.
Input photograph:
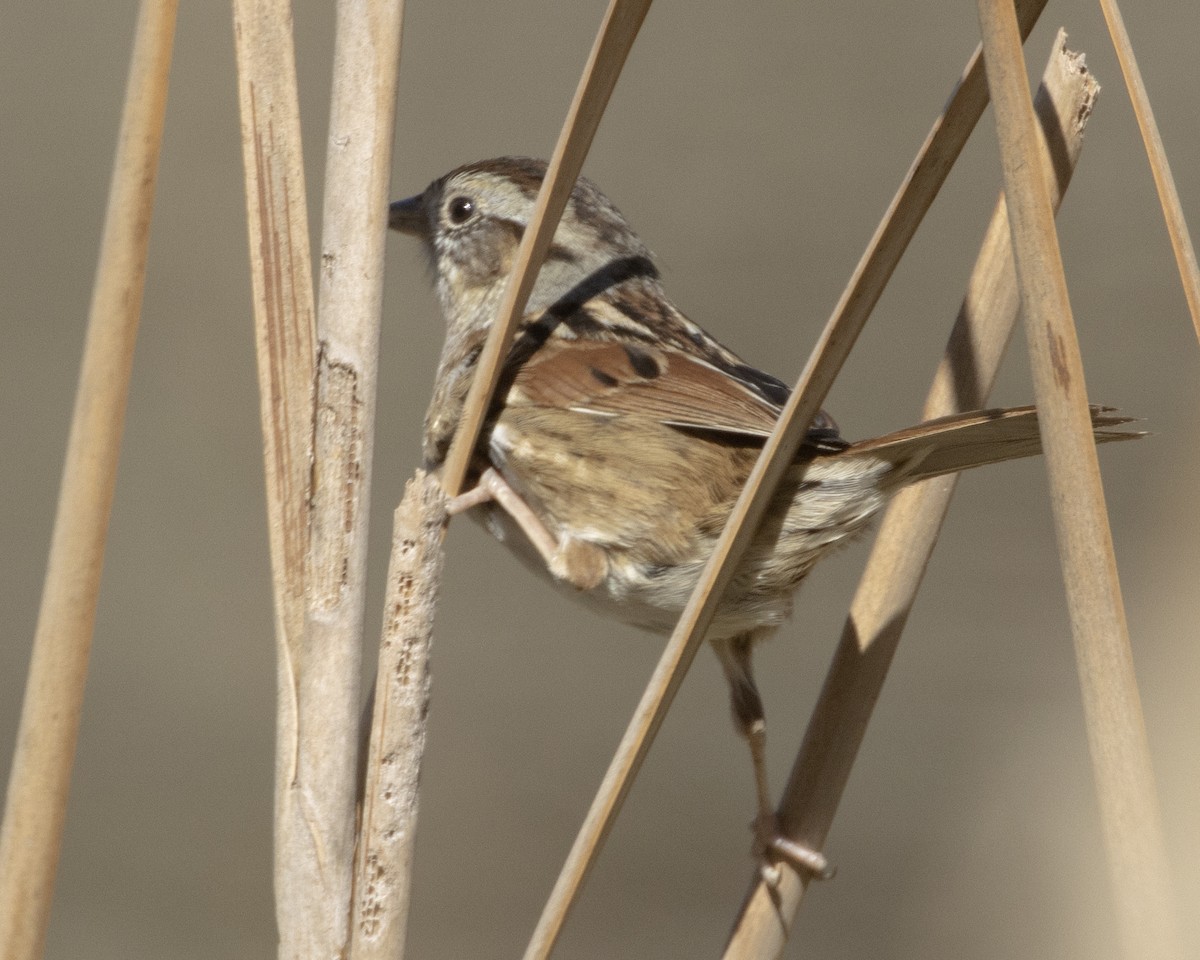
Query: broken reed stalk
[
  {"x": 925, "y": 177},
  {"x": 40, "y": 778},
  {"x": 618, "y": 30},
  {"x": 383, "y": 866},
  {"x": 1112, "y": 710},
  {"x": 1168, "y": 195},
  {"x": 909, "y": 529},
  {"x": 281, "y": 276}
]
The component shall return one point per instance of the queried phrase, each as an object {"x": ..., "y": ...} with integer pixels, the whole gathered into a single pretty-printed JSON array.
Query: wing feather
[{"x": 613, "y": 379}]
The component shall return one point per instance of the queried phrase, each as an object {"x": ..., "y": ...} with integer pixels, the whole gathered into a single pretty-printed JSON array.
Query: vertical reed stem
[
  {"x": 1112, "y": 708},
  {"x": 40, "y": 779},
  {"x": 281, "y": 275},
  {"x": 383, "y": 874}
]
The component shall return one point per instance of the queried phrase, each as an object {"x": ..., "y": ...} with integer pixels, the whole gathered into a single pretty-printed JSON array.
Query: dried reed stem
[
  {"x": 326, "y": 667},
  {"x": 389, "y": 817},
  {"x": 281, "y": 274},
  {"x": 40, "y": 778},
  {"x": 1168, "y": 196},
  {"x": 617, "y": 32},
  {"x": 916, "y": 193},
  {"x": 1116, "y": 732},
  {"x": 909, "y": 530}
]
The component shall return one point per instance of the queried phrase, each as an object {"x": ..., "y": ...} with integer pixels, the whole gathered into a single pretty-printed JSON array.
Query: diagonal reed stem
[
  {"x": 1116, "y": 732},
  {"x": 617, "y": 32},
  {"x": 40, "y": 779},
  {"x": 925, "y": 177},
  {"x": 909, "y": 531},
  {"x": 1168, "y": 195}
]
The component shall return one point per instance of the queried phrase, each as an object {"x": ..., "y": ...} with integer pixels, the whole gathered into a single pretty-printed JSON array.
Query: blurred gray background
[{"x": 755, "y": 147}]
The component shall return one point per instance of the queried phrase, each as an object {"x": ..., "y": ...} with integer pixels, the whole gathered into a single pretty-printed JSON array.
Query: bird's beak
[{"x": 408, "y": 216}]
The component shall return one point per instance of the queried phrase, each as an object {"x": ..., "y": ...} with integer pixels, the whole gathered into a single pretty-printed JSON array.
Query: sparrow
[{"x": 622, "y": 432}]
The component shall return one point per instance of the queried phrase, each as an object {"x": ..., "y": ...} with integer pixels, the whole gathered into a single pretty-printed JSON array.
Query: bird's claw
[{"x": 770, "y": 845}]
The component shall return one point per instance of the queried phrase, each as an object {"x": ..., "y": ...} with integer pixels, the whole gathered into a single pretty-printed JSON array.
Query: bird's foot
[{"x": 771, "y": 846}]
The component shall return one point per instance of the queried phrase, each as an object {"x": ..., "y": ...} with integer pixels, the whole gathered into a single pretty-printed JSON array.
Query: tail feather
[{"x": 966, "y": 440}]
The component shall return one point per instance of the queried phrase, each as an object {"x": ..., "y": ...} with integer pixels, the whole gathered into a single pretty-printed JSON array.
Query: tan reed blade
[
  {"x": 908, "y": 532},
  {"x": 1112, "y": 709},
  {"x": 617, "y": 32},
  {"x": 912, "y": 200},
  {"x": 281, "y": 275},
  {"x": 40, "y": 778},
  {"x": 1164, "y": 182},
  {"x": 281, "y": 279}
]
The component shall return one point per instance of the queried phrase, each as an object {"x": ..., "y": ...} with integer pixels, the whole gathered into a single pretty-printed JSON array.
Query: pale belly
[{"x": 836, "y": 507}]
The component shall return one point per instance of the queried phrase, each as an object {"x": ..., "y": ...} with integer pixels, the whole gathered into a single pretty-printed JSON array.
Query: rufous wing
[{"x": 615, "y": 379}]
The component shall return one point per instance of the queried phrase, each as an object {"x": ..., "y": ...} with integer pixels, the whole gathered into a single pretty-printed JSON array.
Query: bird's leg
[
  {"x": 581, "y": 564},
  {"x": 748, "y": 716}
]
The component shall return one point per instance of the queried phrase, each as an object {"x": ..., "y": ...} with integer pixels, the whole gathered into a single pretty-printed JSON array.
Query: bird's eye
[{"x": 460, "y": 210}]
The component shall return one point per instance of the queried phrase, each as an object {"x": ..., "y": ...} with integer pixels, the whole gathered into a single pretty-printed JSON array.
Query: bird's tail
[{"x": 966, "y": 440}]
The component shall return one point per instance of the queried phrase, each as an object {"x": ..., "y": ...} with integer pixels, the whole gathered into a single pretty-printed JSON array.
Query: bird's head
[{"x": 472, "y": 221}]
